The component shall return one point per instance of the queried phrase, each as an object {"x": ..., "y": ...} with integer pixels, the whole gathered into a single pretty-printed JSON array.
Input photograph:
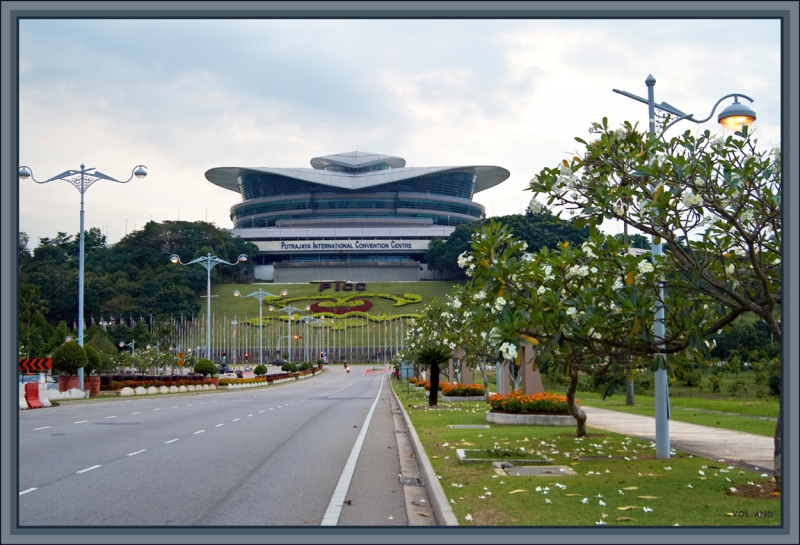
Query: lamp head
[
  {"x": 140, "y": 171},
  {"x": 121, "y": 344},
  {"x": 147, "y": 347},
  {"x": 174, "y": 258},
  {"x": 284, "y": 293},
  {"x": 236, "y": 293},
  {"x": 68, "y": 339},
  {"x": 271, "y": 308},
  {"x": 24, "y": 173},
  {"x": 308, "y": 307},
  {"x": 735, "y": 116},
  {"x": 242, "y": 258}
]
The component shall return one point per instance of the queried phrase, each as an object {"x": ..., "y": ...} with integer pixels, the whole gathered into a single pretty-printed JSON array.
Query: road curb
[{"x": 441, "y": 509}]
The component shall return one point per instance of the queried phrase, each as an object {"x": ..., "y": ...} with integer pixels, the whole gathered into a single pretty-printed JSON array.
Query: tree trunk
[
  {"x": 482, "y": 365},
  {"x": 433, "y": 397},
  {"x": 574, "y": 410},
  {"x": 629, "y": 399},
  {"x": 777, "y": 452}
]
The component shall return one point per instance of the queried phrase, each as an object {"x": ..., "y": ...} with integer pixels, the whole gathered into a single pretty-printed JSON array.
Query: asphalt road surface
[{"x": 275, "y": 456}]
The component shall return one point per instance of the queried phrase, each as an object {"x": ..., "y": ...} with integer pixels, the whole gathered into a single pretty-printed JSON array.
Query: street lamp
[
  {"x": 132, "y": 344},
  {"x": 289, "y": 311},
  {"x": 260, "y": 295},
  {"x": 82, "y": 179},
  {"x": 234, "y": 323},
  {"x": 209, "y": 262},
  {"x": 733, "y": 118},
  {"x": 309, "y": 320}
]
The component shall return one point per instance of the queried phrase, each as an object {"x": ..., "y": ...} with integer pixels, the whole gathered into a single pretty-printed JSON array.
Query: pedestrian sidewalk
[{"x": 745, "y": 450}]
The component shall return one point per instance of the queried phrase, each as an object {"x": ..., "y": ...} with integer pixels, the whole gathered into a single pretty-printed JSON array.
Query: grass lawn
[{"x": 626, "y": 487}]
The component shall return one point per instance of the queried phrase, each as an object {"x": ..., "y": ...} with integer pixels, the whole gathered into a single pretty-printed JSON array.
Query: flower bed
[
  {"x": 517, "y": 402},
  {"x": 133, "y": 384},
  {"x": 456, "y": 390}
]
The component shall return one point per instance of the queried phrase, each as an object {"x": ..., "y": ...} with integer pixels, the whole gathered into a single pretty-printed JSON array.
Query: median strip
[{"x": 88, "y": 469}]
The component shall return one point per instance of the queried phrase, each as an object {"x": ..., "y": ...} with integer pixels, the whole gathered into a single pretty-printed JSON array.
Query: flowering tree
[{"x": 715, "y": 202}]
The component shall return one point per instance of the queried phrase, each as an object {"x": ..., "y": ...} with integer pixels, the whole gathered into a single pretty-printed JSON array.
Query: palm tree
[
  {"x": 30, "y": 308},
  {"x": 432, "y": 357}
]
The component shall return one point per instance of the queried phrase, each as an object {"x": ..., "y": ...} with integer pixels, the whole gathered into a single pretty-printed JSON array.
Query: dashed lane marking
[
  {"x": 235, "y": 419},
  {"x": 218, "y": 425},
  {"x": 112, "y": 416},
  {"x": 80, "y": 422},
  {"x": 137, "y": 412},
  {"x": 201, "y": 431},
  {"x": 259, "y": 412},
  {"x": 249, "y": 415},
  {"x": 156, "y": 409},
  {"x": 137, "y": 452},
  {"x": 44, "y": 428},
  {"x": 171, "y": 441},
  {"x": 88, "y": 469},
  {"x": 28, "y": 490}
]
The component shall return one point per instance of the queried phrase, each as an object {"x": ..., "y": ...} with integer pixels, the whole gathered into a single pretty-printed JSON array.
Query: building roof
[{"x": 227, "y": 177}]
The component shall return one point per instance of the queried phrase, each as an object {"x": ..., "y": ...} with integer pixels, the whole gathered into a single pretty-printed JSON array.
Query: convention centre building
[{"x": 353, "y": 216}]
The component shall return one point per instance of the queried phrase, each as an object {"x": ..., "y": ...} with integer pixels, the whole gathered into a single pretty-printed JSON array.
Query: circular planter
[
  {"x": 528, "y": 419},
  {"x": 463, "y": 398}
]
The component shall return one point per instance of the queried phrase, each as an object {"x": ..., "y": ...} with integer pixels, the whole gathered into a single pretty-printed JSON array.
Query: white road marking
[
  {"x": 172, "y": 441},
  {"x": 270, "y": 408},
  {"x": 174, "y": 407},
  {"x": 203, "y": 403},
  {"x": 113, "y": 416},
  {"x": 28, "y": 490},
  {"x": 81, "y": 422},
  {"x": 189, "y": 405},
  {"x": 137, "y": 412},
  {"x": 235, "y": 419},
  {"x": 87, "y": 469},
  {"x": 156, "y": 409},
  {"x": 218, "y": 425},
  {"x": 249, "y": 415},
  {"x": 259, "y": 412},
  {"x": 137, "y": 452},
  {"x": 201, "y": 431},
  {"x": 331, "y": 517},
  {"x": 213, "y": 402},
  {"x": 44, "y": 428}
]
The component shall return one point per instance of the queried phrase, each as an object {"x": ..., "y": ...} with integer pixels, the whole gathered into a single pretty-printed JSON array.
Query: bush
[
  {"x": 737, "y": 388},
  {"x": 93, "y": 360},
  {"x": 260, "y": 369},
  {"x": 693, "y": 378},
  {"x": 306, "y": 365},
  {"x": 69, "y": 358},
  {"x": 716, "y": 382},
  {"x": 205, "y": 367},
  {"x": 290, "y": 367},
  {"x": 319, "y": 362}
]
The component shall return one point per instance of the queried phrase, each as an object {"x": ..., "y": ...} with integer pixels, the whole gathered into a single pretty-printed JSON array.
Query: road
[{"x": 270, "y": 456}]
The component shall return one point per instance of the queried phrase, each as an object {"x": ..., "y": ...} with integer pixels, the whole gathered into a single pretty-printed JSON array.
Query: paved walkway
[{"x": 745, "y": 450}]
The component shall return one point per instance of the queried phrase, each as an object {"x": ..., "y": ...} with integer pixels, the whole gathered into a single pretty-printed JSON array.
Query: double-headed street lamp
[
  {"x": 209, "y": 262},
  {"x": 260, "y": 295},
  {"x": 732, "y": 118},
  {"x": 82, "y": 179},
  {"x": 289, "y": 311}
]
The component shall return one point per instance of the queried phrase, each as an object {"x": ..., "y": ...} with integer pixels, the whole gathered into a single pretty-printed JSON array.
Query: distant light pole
[
  {"x": 309, "y": 320},
  {"x": 260, "y": 295},
  {"x": 289, "y": 311},
  {"x": 209, "y": 262},
  {"x": 82, "y": 179},
  {"x": 733, "y": 118}
]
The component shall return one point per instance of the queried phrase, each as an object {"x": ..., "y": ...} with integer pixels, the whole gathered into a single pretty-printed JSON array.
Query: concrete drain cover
[
  {"x": 541, "y": 471},
  {"x": 468, "y": 426},
  {"x": 411, "y": 481}
]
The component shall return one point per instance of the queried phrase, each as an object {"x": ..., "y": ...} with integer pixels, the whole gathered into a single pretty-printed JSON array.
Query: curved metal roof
[
  {"x": 227, "y": 177},
  {"x": 357, "y": 159}
]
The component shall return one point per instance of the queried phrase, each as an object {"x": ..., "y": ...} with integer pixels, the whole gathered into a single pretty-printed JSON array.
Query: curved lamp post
[
  {"x": 82, "y": 179},
  {"x": 732, "y": 118},
  {"x": 260, "y": 295},
  {"x": 209, "y": 262}
]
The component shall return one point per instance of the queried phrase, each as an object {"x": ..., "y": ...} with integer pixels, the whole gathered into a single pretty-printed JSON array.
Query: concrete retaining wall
[{"x": 515, "y": 419}]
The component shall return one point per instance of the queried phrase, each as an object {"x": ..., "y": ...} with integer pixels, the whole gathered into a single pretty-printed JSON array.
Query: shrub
[
  {"x": 716, "y": 382},
  {"x": 463, "y": 390},
  {"x": 205, "y": 367},
  {"x": 290, "y": 367},
  {"x": 517, "y": 402},
  {"x": 413, "y": 380},
  {"x": 69, "y": 358},
  {"x": 93, "y": 360},
  {"x": 306, "y": 365},
  {"x": 260, "y": 369},
  {"x": 737, "y": 388}
]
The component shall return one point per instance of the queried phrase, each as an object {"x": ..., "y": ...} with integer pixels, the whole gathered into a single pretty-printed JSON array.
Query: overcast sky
[{"x": 184, "y": 96}]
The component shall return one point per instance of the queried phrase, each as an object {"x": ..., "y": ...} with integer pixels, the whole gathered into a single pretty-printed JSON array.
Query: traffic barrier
[
  {"x": 23, "y": 405},
  {"x": 43, "y": 397},
  {"x": 30, "y": 365},
  {"x": 32, "y": 395}
]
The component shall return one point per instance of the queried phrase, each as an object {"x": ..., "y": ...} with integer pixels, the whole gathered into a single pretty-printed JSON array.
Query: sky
[{"x": 185, "y": 96}]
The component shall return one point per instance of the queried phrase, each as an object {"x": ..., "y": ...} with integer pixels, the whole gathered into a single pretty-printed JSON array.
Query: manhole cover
[
  {"x": 411, "y": 481},
  {"x": 542, "y": 471},
  {"x": 468, "y": 426}
]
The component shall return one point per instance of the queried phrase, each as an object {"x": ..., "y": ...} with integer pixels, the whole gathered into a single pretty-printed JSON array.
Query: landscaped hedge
[{"x": 517, "y": 402}]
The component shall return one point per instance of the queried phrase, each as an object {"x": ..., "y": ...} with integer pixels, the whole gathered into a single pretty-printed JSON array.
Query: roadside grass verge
[{"x": 494, "y": 500}]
